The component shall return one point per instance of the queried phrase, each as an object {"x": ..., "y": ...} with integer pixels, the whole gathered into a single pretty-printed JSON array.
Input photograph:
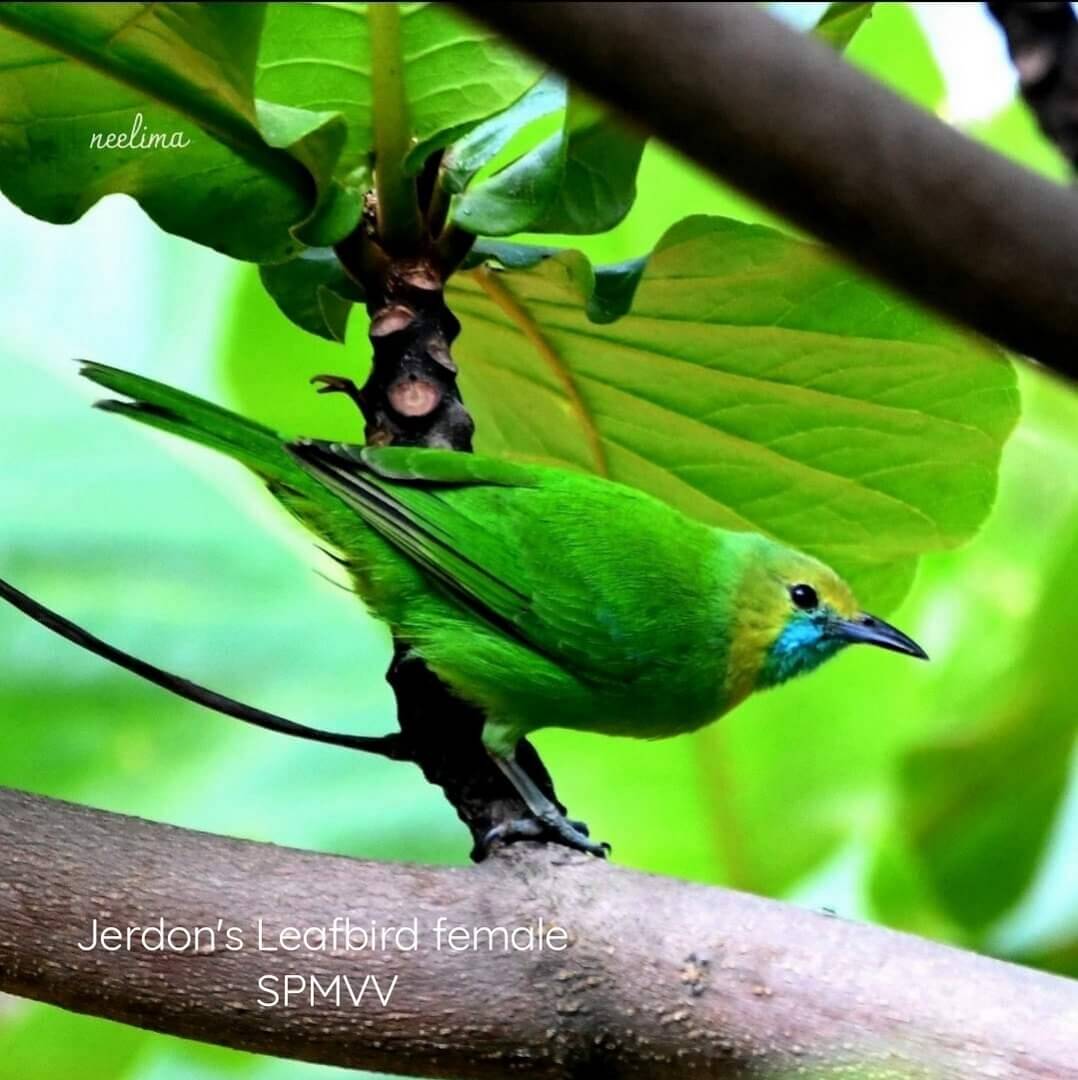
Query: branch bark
[
  {"x": 660, "y": 978},
  {"x": 780, "y": 116}
]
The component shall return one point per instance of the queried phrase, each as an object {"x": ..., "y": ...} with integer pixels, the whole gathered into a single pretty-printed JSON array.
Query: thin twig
[{"x": 390, "y": 746}]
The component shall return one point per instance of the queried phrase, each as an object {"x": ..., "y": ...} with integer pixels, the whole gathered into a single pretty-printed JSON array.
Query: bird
[{"x": 542, "y": 595}]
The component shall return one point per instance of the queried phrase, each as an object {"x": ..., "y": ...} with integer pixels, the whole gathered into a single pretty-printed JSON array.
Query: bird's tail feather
[
  {"x": 258, "y": 447},
  {"x": 160, "y": 406}
]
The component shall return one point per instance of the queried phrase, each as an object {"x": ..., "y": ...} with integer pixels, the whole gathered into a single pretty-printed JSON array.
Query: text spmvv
[{"x": 289, "y": 991}]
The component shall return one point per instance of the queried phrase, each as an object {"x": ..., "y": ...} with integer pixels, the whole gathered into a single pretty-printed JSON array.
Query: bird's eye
[{"x": 804, "y": 597}]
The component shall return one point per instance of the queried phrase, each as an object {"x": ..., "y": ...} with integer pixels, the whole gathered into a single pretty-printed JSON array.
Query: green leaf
[
  {"x": 580, "y": 180},
  {"x": 468, "y": 155},
  {"x": 515, "y": 196},
  {"x": 314, "y": 291},
  {"x": 838, "y": 24},
  {"x": 315, "y": 139},
  {"x": 609, "y": 289},
  {"x": 1013, "y": 131},
  {"x": 756, "y": 383},
  {"x": 456, "y": 73},
  {"x": 72, "y": 74},
  {"x": 599, "y": 184},
  {"x": 977, "y": 806},
  {"x": 893, "y": 47}
]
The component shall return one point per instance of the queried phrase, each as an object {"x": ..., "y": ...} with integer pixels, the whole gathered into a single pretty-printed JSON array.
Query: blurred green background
[{"x": 939, "y": 798}]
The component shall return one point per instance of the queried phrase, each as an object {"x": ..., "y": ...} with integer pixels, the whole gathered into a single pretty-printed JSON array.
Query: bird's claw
[
  {"x": 556, "y": 830},
  {"x": 336, "y": 384}
]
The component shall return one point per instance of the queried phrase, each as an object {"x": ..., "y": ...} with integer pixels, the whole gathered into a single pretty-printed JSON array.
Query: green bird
[{"x": 544, "y": 596}]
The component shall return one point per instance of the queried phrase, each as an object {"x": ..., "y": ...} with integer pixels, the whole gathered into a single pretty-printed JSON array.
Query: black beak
[{"x": 869, "y": 630}]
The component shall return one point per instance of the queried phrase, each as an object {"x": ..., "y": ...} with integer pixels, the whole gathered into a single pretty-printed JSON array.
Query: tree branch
[
  {"x": 660, "y": 978},
  {"x": 779, "y": 115}
]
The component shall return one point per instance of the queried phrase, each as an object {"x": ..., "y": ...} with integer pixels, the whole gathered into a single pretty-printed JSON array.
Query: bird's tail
[
  {"x": 258, "y": 447},
  {"x": 255, "y": 445}
]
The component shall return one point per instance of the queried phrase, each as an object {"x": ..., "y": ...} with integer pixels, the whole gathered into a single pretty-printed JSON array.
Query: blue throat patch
[{"x": 802, "y": 646}]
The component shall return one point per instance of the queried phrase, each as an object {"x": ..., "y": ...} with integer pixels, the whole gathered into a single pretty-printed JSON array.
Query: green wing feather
[{"x": 397, "y": 495}]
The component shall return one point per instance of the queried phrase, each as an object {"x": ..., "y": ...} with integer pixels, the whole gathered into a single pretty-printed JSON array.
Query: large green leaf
[
  {"x": 456, "y": 73},
  {"x": 757, "y": 383},
  {"x": 227, "y": 176}
]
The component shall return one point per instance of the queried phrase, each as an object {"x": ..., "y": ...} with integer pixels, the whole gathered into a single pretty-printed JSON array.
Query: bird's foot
[
  {"x": 338, "y": 384},
  {"x": 545, "y": 828}
]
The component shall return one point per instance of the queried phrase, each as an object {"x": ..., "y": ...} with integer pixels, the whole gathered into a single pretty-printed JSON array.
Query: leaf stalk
[{"x": 399, "y": 225}]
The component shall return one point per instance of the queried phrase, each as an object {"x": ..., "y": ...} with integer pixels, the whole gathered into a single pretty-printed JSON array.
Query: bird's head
[{"x": 796, "y": 612}]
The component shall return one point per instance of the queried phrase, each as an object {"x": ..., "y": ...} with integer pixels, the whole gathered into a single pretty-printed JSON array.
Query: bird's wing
[
  {"x": 562, "y": 562},
  {"x": 394, "y": 491}
]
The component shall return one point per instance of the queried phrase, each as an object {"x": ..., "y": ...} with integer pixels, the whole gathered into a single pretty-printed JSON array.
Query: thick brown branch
[
  {"x": 779, "y": 115},
  {"x": 659, "y": 979},
  {"x": 411, "y": 397}
]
